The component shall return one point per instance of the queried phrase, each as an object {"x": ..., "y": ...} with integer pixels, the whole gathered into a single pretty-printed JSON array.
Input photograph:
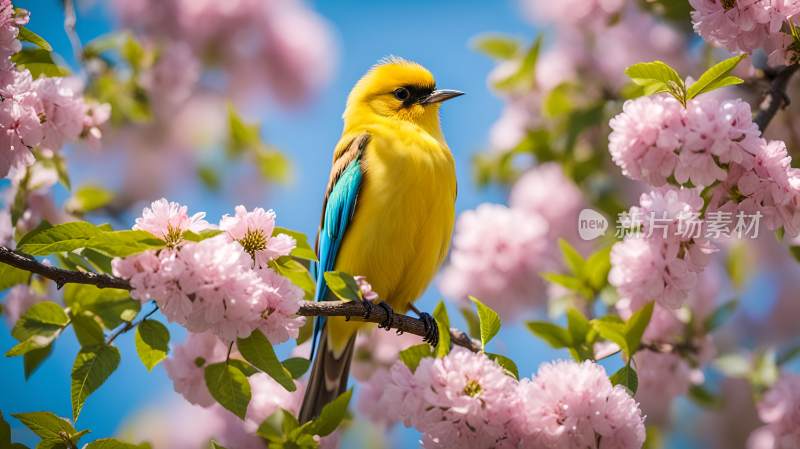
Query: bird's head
[{"x": 399, "y": 89}]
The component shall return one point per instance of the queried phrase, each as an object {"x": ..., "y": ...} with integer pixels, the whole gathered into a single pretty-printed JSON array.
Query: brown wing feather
[{"x": 342, "y": 156}]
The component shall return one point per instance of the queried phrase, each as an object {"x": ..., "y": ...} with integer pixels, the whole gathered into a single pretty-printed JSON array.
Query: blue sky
[{"x": 435, "y": 34}]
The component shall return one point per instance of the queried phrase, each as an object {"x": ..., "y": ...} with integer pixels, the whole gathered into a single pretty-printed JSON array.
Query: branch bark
[
  {"x": 353, "y": 309},
  {"x": 776, "y": 97}
]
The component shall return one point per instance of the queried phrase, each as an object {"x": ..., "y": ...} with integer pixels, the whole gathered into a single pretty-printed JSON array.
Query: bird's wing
[{"x": 337, "y": 210}]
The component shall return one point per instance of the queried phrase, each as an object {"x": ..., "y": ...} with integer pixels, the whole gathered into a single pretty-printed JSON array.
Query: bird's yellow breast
[{"x": 401, "y": 230}]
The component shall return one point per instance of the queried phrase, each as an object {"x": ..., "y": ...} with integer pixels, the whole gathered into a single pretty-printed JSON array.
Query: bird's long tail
[{"x": 328, "y": 377}]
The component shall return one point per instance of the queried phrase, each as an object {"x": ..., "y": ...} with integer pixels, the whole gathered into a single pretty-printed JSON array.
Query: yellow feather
[{"x": 401, "y": 229}]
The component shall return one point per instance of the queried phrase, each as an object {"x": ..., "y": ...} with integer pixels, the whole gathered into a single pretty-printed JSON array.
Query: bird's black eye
[{"x": 402, "y": 94}]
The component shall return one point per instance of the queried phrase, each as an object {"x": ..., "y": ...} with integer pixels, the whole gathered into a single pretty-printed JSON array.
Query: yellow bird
[{"x": 389, "y": 208}]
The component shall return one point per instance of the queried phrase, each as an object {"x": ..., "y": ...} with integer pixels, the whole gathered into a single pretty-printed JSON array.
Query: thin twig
[
  {"x": 129, "y": 325},
  {"x": 776, "y": 97},
  {"x": 355, "y": 309}
]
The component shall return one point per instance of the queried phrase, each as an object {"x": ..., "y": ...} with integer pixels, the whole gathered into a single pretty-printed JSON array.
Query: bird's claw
[
  {"x": 367, "y": 308},
  {"x": 431, "y": 329},
  {"x": 387, "y": 323}
]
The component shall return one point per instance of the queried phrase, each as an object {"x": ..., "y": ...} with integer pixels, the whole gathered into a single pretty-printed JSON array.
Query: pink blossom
[
  {"x": 283, "y": 46},
  {"x": 268, "y": 397},
  {"x": 10, "y": 21},
  {"x": 780, "y": 410},
  {"x": 168, "y": 221},
  {"x": 186, "y": 366},
  {"x": 178, "y": 424},
  {"x": 746, "y": 25},
  {"x": 561, "y": 216},
  {"x": 497, "y": 255},
  {"x": 211, "y": 285},
  {"x": 18, "y": 300},
  {"x": 365, "y": 288},
  {"x": 570, "y": 405},
  {"x": 645, "y": 136},
  {"x": 172, "y": 78},
  {"x": 645, "y": 269},
  {"x": 253, "y": 230},
  {"x": 377, "y": 350},
  {"x": 573, "y": 13},
  {"x": 60, "y": 111}
]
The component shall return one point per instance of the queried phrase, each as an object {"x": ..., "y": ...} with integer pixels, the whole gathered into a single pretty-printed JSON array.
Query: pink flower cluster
[
  {"x": 573, "y": 13},
  {"x": 780, "y": 410},
  {"x": 665, "y": 376},
  {"x": 747, "y": 25},
  {"x": 466, "y": 400},
  {"x": 42, "y": 113},
  {"x": 657, "y": 141},
  {"x": 212, "y": 285},
  {"x": 281, "y": 45},
  {"x": 497, "y": 255},
  {"x": 662, "y": 266}
]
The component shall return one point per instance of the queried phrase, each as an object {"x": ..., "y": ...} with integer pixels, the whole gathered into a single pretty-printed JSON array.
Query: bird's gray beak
[{"x": 438, "y": 96}]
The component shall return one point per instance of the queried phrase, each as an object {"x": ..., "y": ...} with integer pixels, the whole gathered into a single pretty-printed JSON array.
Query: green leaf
[
  {"x": 303, "y": 250},
  {"x": 38, "y": 327},
  {"x": 626, "y": 376},
  {"x": 297, "y": 366},
  {"x": 658, "y": 76},
  {"x": 39, "y": 62},
  {"x": 332, "y": 415},
  {"x": 473, "y": 322},
  {"x": 88, "y": 198},
  {"x": 558, "y": 101},
  {"x": 489, "y": 321},
  {"x": 32, "y": 359},
  {"x": 703, "y": 397},
  {"x": 87, "y": 329},
  {"x": 443, "y": 324},
  {"x": 578, "y": 325},
  {"x": 273, "y": 165},
  {"x": 716, "y": 77},
  {"x": 257, "y": 350},
  {"x": 572, "y": 258},
  {"x": 636, "y": 325},
  {"x": 210, "y": 177},
  {"x": 152, "y": 342},
  {"x": 497, "y": 46},
  {"x": 241, "y": 136},
  {"x": 526, "y": 71},
  {"x": 111, "y": 443},
  {"x": 93, "y": 365},
  {"x": 113, "y": 306},
  {"x": 506, "y": 363},
  {"x": 556, "y": 336},
  {"x": 215, "y": 445},
  {"x": 133, "y": 52},
  {"x": 11, "y": 276},
  {"x": 26, "y": 35},
  {"x": 720, "y": 315},
  {"x": 229, "y": 386},
  {"x": 569, "y": 282},
  {"x": 58, "y": 238},
  {"x": 343, "y": 286},
  {"x": 124, "y": 243},
  {"x": 597, "y": 267},
  {"x": 412, "y": 355},
  {"x": 295, "y": 272},
  {"x": 46, "y": 425},
  {"x": 202, "y": 235},
  {"x": 612, "y": 331}
]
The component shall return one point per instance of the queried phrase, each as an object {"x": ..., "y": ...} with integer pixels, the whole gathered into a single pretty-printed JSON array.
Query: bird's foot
[
  {"x": 431, "y": 329},
  {"x": 367, "y": 309},
  {"x": 387, "y": 323}
]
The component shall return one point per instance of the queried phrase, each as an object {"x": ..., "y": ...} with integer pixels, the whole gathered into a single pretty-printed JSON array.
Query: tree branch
[
  {"x": 353, "y": 309},
  {"x": 776, "y": 97}
]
